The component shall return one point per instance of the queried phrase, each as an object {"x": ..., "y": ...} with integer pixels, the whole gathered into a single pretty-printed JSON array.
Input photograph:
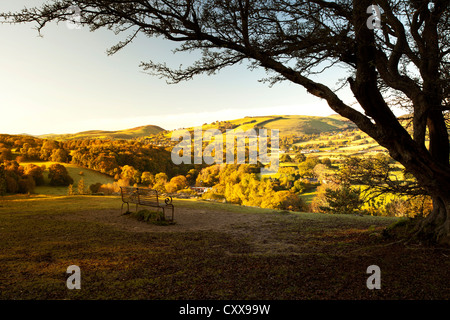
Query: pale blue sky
[{"x": 66, "y": 83}]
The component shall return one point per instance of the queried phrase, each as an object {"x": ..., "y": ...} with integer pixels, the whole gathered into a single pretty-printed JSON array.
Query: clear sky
[{"x": 64, "y": 82}]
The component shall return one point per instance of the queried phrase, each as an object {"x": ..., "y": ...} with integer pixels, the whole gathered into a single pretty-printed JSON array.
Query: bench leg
[
  {"x": 121, "y": 208},
  {"x": 164, "y": 212}
]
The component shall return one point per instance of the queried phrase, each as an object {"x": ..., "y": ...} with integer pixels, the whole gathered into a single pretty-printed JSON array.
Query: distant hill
[
  {"x": 137, "y": 132},
  {"x": 286, "y": 124}
]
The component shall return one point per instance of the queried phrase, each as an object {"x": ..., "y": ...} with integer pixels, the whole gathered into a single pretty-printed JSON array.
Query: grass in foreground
[{"x": 282, "y": 256}]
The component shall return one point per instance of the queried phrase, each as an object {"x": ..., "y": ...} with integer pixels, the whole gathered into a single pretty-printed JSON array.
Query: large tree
[{"x": 403, "y": 60}]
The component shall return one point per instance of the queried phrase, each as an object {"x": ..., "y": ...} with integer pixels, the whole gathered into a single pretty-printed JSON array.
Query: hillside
[
  {"x": 296, "y": 125},
  {"x": 286, "y": 124},
  {"x": 306, "y": 124},
  {"x": 89, "y": 176},
  {"x": 137, "y": 132}
]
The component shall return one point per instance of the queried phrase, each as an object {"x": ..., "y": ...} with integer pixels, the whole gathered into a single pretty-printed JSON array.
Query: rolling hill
[
  {"x": 306, "y": 124},
  {"x": 286, "y": 124},
  {"x": 137, "y": 132}
]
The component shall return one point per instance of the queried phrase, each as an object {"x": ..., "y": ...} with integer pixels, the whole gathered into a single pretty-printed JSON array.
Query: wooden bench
[{"x": 145, "y": 197}]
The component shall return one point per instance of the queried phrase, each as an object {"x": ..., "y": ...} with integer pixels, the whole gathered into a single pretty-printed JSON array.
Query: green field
[
  {"x": 287, "y": 124},
  {"x": 308, "y": 196},
  {"x": 77, "y": 173},
  {"x": 306, "y": 124}
]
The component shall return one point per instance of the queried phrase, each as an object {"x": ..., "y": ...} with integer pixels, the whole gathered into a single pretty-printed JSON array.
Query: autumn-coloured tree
[
  {"x": 58, "y": 175},
  {"x": 2, "y": 180},
  {"x": 81, "y": 187},
  {"x": 147, "y": 179},
  {"x": 160, "y": 182},
  {"x": 131, "y": 174},
  {"x": 35, "y": 172},
  {"x": 287, "y": 200},
  {"x": 26, "y": 184},
  {"x": 176, "y": 183},
  {"x": 59, "y": 155}
]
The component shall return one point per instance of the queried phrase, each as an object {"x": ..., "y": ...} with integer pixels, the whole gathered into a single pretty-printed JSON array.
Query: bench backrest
[
  {"x": 129, "y": 194},
  {"x": 147, "y": 195}
]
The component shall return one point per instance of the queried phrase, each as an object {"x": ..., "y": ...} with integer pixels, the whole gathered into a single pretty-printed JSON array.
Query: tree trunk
[
  {"x": 434, "y": 178},
  {"x": 430, "y": 167},
  {"x": 436, "y": 226}
]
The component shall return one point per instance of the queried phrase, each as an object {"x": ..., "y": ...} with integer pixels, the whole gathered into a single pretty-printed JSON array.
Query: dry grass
[{"x": 214, "y": 251}]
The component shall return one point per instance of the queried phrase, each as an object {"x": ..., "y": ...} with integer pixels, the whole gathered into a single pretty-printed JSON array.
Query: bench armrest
[{"x": 168, "y": 200}]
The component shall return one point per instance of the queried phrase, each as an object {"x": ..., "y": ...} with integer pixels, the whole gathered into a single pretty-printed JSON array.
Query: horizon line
[{"x": 165, "y": 129}]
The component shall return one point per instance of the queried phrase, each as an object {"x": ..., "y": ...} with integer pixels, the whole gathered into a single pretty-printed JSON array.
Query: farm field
[
  {"x": 286, "y": 124},
  {"x": 214, "y": 251}
]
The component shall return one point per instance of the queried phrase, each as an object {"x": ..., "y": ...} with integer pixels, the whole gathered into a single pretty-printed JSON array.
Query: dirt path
[
  {"x": 264, "y": 232},
  {"x": 187, "y": 220},
  {"x": 260, "y": 230}
]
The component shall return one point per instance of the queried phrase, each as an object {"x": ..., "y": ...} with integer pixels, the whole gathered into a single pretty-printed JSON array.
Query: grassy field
[
  {"x": 287, "y": 124},
  {"x": 306, "y": 124},
  {"x": 214, "y": 251},
  {"x": 77, "y": 173}
]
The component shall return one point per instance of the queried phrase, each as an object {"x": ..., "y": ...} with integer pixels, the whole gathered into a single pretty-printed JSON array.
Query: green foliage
[
  {"x": 299, "y": 186},
  {"x": 147, "y": 179},
  {"x": 285, "y": 158},
  {"x": 191, "y": 176},
  {"x": 238, "y": 184},
  {"x": 160, "y": 182},
  {"x": 342, "y": 200},
  {"x": 187, "y": 191},
  {"x": 401, "y": 229},
  {"x": 153, "y": 217},
  {"x": 208, "y": 176},
  {"x": 161, "y": 178},
  {"x": 286, "y": 200},
  {"x": 209, "y": 195},
  {"x": 131, "y": 174},
  {"x": 306, "y": 168},
  {"x": 300, "y": 157},
  {"x": 94, "y": 188}
]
